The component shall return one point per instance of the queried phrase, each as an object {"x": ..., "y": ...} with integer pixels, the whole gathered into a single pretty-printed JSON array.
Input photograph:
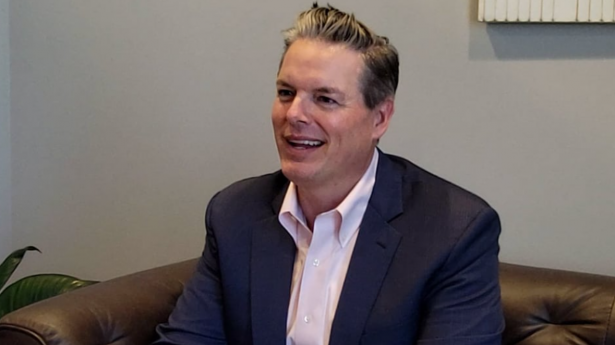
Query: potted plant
[{"x": 33, "y": 288}]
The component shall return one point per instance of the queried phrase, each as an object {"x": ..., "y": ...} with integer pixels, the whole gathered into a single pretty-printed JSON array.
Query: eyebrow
[{"x": 282, "y": 83}]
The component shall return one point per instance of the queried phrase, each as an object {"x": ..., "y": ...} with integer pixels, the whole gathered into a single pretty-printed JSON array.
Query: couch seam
[
  {"x": 23, "y": 330},
  {"x": 608, "y": 324}
]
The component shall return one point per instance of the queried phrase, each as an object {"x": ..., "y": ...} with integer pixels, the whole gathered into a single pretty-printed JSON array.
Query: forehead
[{"x": 320, "y": 64}]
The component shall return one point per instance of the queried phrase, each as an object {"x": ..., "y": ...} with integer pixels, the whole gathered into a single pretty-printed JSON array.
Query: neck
[{"x": 315, "y": 200}]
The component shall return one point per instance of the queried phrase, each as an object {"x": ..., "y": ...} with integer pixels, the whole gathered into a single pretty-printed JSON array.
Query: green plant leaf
[
  {"x": 36, "y": 288},
  {"x": 11, "y": 262}
]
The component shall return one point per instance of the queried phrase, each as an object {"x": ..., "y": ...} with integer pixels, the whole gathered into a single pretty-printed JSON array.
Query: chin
[{"x": 298, "y": 173}]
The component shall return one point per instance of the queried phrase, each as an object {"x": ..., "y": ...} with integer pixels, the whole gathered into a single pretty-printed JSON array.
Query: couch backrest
[
  {"x": 541, "y": 307},
  {"x": 122, "y": 311}
]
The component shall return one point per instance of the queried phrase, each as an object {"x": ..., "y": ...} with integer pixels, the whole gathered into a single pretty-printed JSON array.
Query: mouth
[{"x": 304, "y": 143}]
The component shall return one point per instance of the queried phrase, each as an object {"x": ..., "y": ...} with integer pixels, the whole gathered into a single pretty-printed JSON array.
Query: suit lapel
[
  {"x": 272, "y": 260},
  {"x": 376, "y": 245},
  {"x": 273, "y": 256}
]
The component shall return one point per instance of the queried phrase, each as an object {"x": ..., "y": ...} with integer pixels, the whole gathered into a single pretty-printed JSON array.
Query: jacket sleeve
[
  {"x": 198, "y": 317},
  {"x": 463, "y": 304}
]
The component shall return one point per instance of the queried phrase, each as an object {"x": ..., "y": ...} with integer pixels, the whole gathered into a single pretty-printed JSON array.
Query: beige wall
[
  {"x": 128, "y": 115},
  {"x": 5, "y": 138}
]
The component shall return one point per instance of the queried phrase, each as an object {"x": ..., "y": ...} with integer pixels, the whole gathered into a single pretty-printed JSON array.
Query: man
[{"x": 346, "y": 244}]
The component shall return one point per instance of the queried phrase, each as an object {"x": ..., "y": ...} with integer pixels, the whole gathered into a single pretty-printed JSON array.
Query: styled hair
[{"x": 380, "y": 74}]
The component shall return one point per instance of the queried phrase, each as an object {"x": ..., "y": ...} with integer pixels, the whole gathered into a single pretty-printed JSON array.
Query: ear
[{"x": 382, "y": 116}]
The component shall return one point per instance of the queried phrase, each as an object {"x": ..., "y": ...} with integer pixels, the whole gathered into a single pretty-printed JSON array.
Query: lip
[{"x": 300, "y": 152}]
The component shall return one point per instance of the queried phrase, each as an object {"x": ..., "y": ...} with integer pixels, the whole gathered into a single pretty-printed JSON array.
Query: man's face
[{"x": 324, "y": 132}]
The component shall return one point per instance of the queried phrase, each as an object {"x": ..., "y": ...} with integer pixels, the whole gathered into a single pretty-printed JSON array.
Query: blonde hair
[{"x": 381, "y": 73}]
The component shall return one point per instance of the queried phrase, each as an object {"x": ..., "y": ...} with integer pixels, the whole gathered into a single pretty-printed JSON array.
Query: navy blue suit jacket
[{"x": 424, "y": 269}]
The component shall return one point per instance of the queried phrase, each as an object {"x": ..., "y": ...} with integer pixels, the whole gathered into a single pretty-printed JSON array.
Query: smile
[{"x": 305, "y": 143}]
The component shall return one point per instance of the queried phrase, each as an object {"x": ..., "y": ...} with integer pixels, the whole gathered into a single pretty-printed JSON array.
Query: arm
[
  {"x": 463, "y": 306},
  {"x": 198, "y": 316}
]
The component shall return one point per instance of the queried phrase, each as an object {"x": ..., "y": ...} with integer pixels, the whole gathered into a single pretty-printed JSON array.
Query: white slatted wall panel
[{"x": 547, "y": 11}]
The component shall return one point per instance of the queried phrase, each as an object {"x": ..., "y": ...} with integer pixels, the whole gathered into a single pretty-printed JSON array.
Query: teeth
[{"x": 306, "y": 142}]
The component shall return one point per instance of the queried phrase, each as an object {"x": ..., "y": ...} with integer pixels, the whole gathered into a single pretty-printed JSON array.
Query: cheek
[
  {"x": 277, "y": 115},
  {"x": 348, "y": 132},
  {"x": 277, "y": 107}
]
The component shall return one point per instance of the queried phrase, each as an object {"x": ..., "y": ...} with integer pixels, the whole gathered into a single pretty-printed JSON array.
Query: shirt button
[
  {"x": 316, "y": 262},
  {"x": 307, "y": 319}
]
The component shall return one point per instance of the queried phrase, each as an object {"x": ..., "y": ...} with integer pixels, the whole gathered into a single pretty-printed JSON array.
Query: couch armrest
[
  {"x": 121, "y": 311},
  {"x": 549, "y": 306}
]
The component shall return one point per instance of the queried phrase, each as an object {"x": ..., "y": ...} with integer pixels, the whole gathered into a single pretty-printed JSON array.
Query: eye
[
  {"x": 326, "y": 100},
  {"x": 285, "y": 94}
]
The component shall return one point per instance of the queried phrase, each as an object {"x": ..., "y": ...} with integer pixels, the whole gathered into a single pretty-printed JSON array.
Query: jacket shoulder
[
  {"x": 433, "y": 185},
  {"x": 435, "y": 202},
  {"x": 253, "y": 195}
]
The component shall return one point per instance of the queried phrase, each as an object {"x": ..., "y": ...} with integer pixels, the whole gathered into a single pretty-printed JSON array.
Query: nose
[{"x": 297, "y": 111}]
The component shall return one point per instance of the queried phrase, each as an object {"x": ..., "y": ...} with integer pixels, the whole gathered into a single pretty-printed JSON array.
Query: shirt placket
[{"x": 311, "y": 311}]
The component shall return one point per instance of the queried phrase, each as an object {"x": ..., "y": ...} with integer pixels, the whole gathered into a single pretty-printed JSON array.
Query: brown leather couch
[{"x": 542, "y": 307}]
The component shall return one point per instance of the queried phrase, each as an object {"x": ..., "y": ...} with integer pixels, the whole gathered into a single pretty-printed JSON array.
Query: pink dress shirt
[{"x": 322, "y": 259}]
